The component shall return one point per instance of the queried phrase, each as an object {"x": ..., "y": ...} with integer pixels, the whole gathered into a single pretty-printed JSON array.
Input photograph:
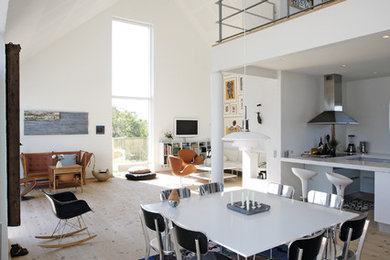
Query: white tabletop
[{"x": 248, "y": 235}]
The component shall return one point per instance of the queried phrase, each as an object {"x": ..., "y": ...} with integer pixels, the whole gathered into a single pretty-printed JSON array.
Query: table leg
[
  {"x": 81, "y": 182},
  {"x": 54, "y": 182}
]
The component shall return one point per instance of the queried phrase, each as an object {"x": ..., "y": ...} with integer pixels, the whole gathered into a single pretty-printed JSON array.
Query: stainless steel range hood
[{"x": 333, "y": 114}]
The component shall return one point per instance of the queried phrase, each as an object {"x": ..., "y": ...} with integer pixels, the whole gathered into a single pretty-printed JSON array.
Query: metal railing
[{"x": 288, "y": 9}]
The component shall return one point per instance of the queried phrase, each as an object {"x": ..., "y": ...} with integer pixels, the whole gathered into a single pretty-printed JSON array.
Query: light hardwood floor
[{"x": 115, "y": 220}]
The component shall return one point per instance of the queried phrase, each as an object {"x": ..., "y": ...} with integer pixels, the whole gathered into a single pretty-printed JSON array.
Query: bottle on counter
[
  {"x": 321, "y": 146},
  {"x": 326, "y": 145}
]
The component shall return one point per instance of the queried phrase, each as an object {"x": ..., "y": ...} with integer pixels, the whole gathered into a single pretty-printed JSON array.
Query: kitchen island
[{"x": 375, "y": 167}]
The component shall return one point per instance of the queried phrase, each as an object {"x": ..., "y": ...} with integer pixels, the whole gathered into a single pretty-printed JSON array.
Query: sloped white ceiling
[{"x": 35, "y": 24}]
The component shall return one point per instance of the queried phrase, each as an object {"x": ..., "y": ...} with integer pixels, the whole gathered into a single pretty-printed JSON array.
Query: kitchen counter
[
  {"x": 348, "y": 161},
  {"x": 377, "y": 167}
]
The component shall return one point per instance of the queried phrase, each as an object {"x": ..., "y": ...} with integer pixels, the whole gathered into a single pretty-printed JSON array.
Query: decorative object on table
[
  {"x": 65, "y": 206},
  {"x": 259, "y": 120},
  {"x": 249, "y": 207},
  {"x": 100, "y": 129},
  {"x": 168, "y": 135},
  {"x": 102, "y": 175},
  {"x": 59, "y": 158},
  {"x": 57, "y": 123},
  {"x": 174, "y": 199}
]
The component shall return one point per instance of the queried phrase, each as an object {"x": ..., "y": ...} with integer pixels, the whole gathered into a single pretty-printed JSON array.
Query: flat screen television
[{"x": 186, "y": 127}]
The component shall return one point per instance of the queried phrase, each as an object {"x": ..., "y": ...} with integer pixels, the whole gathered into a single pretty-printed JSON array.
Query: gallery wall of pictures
[{"x": 233, "y": 102}]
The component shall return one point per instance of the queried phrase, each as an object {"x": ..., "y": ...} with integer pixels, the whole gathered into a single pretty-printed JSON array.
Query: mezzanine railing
[{"x": 250, "y": 15}]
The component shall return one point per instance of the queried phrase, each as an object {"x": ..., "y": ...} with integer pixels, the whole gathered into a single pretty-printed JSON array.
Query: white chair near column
[
  {"x": 339, "y": 181},
  {"x": 304, "y": 175}
]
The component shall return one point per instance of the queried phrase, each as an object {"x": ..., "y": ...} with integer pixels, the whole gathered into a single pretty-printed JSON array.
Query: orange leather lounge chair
[
  {"x": 178, "y": 169},
  {"x": 189, "y": 157}
]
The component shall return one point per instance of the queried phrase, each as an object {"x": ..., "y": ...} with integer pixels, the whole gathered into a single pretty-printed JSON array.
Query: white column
[
  {"x": 249, "y": 166},
  {"x": 216, "y": 85}
]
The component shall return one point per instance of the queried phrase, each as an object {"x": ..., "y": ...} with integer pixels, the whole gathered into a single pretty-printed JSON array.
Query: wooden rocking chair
[{"x": 66, "y": 206}]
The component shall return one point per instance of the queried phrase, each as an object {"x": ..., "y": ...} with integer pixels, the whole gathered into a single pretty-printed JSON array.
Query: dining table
[{"x": 286, "y": 220}]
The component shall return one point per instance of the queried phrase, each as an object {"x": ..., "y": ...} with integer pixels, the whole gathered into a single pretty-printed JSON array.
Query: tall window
[{"x": 131, "y": 92}]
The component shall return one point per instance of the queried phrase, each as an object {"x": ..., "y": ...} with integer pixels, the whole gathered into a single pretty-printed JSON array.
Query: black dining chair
[
  {"x": 352, "y": 230},
  {"x": 156, "y": 223},
  {"x": 195, "y": 242},
  {"x": 182, "y": 192},
  {"x": 307, "y": 248},
  {"x": 210, "y": 188}
]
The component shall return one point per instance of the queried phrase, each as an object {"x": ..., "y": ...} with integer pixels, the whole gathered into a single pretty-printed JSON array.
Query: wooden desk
[{"x": 64, "y": 170}]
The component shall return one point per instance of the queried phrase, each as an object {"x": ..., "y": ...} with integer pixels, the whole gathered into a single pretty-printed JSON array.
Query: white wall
[
  {"x": 266, "y": 91},
  {"x": 3, "y": 155},
  {"x": 367, "y": 101},
  {"x": 283, "y": 39},
  {"x": 74, "y": 74},
  {"x": 3, "y": 164}
]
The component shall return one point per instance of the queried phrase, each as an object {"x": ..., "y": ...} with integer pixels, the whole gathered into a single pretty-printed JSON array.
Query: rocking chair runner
[{"x": 66, "y": 206}]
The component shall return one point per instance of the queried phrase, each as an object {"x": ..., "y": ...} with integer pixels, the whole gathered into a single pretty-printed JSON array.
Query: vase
[{"x": 59, "y": 164}]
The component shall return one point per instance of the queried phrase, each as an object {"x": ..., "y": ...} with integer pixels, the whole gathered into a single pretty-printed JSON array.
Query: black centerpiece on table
[{"x": 254, "y": 207}]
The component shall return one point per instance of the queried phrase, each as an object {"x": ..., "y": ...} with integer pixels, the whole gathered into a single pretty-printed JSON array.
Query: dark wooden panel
[{"x": 13, "y": 137}]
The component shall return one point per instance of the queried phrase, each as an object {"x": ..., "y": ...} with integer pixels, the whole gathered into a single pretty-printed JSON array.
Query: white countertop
[{"x": 345, "y": 162}]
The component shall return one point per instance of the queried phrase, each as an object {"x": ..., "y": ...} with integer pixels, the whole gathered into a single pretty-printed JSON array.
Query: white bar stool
[
  {"x": 304, "y": 175},
  {"x": 339, "y": 181}
]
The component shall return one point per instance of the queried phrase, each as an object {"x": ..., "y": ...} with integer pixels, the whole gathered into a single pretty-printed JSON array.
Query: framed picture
[
  {"x": 226, "y": 109},
  {"x": 100, "y": 130},
  {"x": 234, "y": 108},
  {"x": 301, "y": 4},
  {"x": 240, "y": 108},
  {"x": 240, "y": 88},
  {"x": 232, "y": 124},
  {"x": 230, "y": 90}
]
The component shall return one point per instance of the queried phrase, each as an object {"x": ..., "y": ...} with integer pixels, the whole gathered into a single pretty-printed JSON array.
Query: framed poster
[
  {"x": 301, "y": 4},
  {"x": 226, "y": 109},
  {"x": 230, "y": 90},
  {"x": 234, "y": 108},
  {"x": 240, "y": 88},
  {"x": 240, "y": 106},
  {"x": 232, "y": 124}
]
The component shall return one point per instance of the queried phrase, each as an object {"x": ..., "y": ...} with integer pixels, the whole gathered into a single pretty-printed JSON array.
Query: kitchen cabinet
[{"x": 382, "y": 194}]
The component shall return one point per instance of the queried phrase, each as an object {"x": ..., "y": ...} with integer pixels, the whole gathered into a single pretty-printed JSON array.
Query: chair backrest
[
  {"x": 307, "y": 248},
  {"x": 52, "y": 201},
  {"x": 193, "y": 241},
  {"x": 150, "y": 219},
  {"x": 336, "y": 201},
  {"x": 274, "y": 188},
  {"x": 186, "y": 155},
  {"x": 351, "y": 230},
  {"x": 209, "y": 188},
  {"x": 318, "y": 197},
  {"x": 175, "y": 163},
  {"x": 288, "y": 191},
  {"x": 183, "y": 193},
  {"x": 280, "y": 190}
]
